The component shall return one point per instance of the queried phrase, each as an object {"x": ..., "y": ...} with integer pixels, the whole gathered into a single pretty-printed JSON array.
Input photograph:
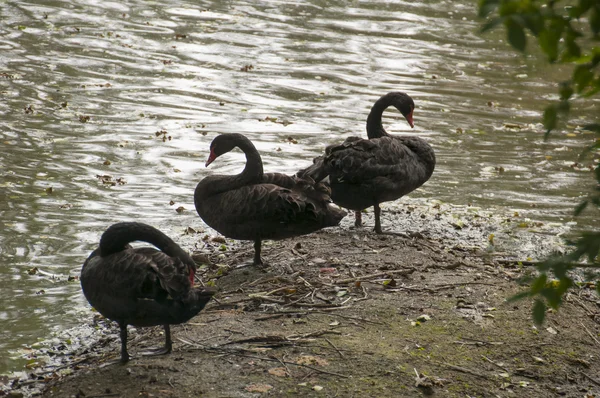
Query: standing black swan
[
  {"x": 142, "y": 286},
  {"x": 254, "y": 205},
  {"x": 364, "y": 173}
]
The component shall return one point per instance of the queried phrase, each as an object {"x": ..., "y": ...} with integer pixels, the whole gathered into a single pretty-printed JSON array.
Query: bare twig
[
  {"x": 478, "y": 342},
  {"x": 354, "y": 318},
  {"x": 590, "y": 333},
  {"x": 590, "y": 378},
  {"x": 495, "y": 364},
  {"x": 289, "y": 372},
  {"x": 312, "y": 334},
  {"x": 365, "y": 277},
  {"x": 463, "y": 370},
  {"x": 260, "y": 339},
  {"x": 451, "y": 285},
  {"x": 331, "y": 344}
]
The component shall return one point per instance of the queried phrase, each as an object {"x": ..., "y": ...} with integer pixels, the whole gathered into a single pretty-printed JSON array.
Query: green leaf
[
  {"x": 595, "y": 127},
  {"x": 581, "y": 207},
  {"x": 486, "y": 7},
  {"x": 516, "y": 34},
  {"x": 577, "y": 11},
  {"x": 539, "y": 312},
  {"x": 491, "y": 24},
  {"x": 565, "y": 90},
  {"x": 539, "y": 283},
  {"x": 550, "y": 119},
  {"x": 519, "y": 296},
  {"x": 594, "y": 18},
  {"x": 572, "y": 50},
  {"x": 549, "y": 43},
  {"x": 582, "y": 77}
]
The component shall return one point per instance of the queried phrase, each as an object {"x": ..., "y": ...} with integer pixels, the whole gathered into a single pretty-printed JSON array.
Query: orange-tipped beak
[
  {"x": 211, "y": 157},
  {"x": 409, "y": 119}
]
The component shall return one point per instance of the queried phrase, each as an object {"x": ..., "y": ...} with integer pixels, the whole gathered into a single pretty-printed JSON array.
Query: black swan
[
  {"x": 254, "y": 205},
  {"x": 364, "y": 173},
  {"x": 142, "y": 286}
]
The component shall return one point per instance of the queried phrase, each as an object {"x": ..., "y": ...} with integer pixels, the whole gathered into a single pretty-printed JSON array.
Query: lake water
[{"x": 137, "y": 90}]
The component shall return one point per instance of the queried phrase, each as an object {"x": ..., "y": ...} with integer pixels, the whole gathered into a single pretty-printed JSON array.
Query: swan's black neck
[
  {"x": 252, "y": 173},
  {"x": 118, "y": 236},
  {"x": 374, "y": 127},
  {"x": 254, "y": 166},
  {"x": 400, "y": 101}
]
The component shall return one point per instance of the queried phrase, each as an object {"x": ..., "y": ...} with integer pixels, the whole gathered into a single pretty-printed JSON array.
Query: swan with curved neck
[
  {"x": 142, "y": 286},
  {"x": 364, "y": 173},
  {"x": 254, "y": 205}
]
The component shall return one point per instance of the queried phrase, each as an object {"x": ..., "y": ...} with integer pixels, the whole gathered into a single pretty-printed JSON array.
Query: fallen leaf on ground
[
  {"x": 279, "y": 372},
  {"x": 260, "y": 388},
  {"x": 311, "y": 360}
]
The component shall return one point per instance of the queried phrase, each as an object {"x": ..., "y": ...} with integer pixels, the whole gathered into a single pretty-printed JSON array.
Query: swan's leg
[
  {"x": 125, "y": 357},
  {"x": 162, "y": 350},
  {"x": 358, "y": 218},
  {"x": 168, "y": 341},
  {"x": 378, "y": 224},
  {"x": 124, "y": 353},
  {"x": 257, "y": 247},
  {"x": 377, "y": 218}
]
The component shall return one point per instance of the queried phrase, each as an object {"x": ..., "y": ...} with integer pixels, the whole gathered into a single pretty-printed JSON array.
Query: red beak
[
  {"x": 211, "y": 157},
  {"x": 409, "y": 119}
]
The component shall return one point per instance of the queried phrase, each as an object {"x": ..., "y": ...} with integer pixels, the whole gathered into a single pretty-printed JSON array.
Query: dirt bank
[{"x": 347, "y": 313}]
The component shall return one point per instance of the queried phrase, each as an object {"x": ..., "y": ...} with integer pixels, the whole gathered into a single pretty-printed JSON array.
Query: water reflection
[{"x": 86, "y": 85}]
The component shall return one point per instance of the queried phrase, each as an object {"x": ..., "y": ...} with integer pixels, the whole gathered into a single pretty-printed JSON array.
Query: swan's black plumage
[
  {"x": 254, "y": 205},
  {"x": 142, "y": 286},
  {"x": 367, "y": 172}
]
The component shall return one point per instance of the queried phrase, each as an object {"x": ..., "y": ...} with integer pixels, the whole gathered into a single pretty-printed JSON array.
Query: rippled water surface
[{"x": 85, "y": 87}]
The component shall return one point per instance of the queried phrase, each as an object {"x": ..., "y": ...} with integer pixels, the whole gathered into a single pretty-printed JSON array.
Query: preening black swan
[
  {"x": 142, "y": 286},
  {"x": 364, "y": 173},
  {"x": 254, "y": 205}
]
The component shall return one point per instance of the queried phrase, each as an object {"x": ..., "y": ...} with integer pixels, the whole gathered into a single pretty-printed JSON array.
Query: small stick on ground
[
  {"x": 354, "y": 318},
  {"x": 451, "y": 285},
  {"x": 289, "y": 372},
  {"x": 365, "y": 277},
  {"x": 590, "y": 378},
  {"x": 495, "y": 364},
  {"x": 478, "y": 342},
  {"x": 331, "y": 344},
  {"x": 589, "y": 333}
]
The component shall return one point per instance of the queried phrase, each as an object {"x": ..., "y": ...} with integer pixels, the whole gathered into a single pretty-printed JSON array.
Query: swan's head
[
  {"x": 404, "y": 104},
  {"x": 223, "y": 144}
]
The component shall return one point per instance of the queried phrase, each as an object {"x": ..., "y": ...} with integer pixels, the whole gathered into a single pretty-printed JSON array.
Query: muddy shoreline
[{"x": 345, "y": 312}]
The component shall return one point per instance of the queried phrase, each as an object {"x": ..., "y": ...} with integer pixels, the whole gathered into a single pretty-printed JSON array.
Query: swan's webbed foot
[
  {"x": 401, "y": 234},
  {"x": 156, "y": 351}
]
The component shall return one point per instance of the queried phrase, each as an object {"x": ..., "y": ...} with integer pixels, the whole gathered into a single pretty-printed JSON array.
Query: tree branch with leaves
[{"x": 567, "y": 32}]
